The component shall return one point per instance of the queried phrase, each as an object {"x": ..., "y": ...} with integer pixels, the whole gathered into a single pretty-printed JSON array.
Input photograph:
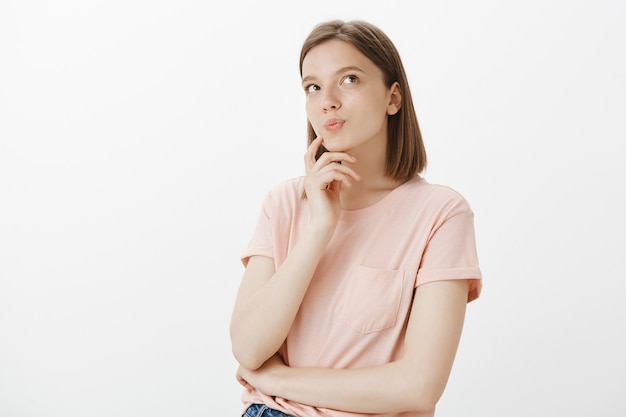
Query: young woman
[{"x": 358, "y": 274}]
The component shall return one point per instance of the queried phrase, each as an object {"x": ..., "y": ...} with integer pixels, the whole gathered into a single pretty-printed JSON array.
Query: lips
[{"x": 332, "y": 125}]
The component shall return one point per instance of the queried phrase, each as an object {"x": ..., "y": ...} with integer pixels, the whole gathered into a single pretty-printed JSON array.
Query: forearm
[
  {"x": 414, "y": 382},
  {"x": 393, "y": 387},
  {"x": 261, "y": 321}
]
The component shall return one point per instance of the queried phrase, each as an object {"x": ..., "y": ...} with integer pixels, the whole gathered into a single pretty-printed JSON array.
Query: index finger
[{"x": 309, "y": 156}]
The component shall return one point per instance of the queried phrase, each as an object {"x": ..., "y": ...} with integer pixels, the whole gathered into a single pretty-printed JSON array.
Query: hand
[
  {"x": 264, "y": 378},
  {"x": 324, "y": 179}
]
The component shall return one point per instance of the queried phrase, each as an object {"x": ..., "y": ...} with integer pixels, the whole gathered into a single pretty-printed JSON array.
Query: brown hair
[{"x": 406, "y": 155}]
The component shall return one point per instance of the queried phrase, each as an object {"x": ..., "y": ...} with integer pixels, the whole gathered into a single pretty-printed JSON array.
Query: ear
[{"x": 395, "y": 99}]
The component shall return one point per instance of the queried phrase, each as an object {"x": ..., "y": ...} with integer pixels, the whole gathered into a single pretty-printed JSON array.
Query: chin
[
  {"x": 335, "y": 145},
  {"x": 336, "y": 149}
]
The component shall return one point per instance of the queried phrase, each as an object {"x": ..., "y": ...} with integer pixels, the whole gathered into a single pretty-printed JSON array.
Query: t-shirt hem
[
  {"x": 470, "y": 273},
  {"x": 255, "y": 250}
]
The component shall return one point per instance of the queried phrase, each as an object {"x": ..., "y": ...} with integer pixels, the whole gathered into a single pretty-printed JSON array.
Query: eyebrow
[{"x": 339, "y": 71}]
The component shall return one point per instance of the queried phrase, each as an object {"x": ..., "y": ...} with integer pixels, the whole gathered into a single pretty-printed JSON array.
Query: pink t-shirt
[{"x": 355, "y": 311}]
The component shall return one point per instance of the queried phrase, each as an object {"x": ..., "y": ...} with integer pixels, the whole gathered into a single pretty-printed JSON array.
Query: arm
[
  {"x": 415, "y": 382},
  {"x": 268, "y": 299}
]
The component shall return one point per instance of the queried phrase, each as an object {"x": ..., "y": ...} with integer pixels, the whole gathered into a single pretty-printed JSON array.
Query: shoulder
[
  {"x": 284, "y": 196},
  {"x": 436, "y": 197},
  {"x": 289, "y": 189}
]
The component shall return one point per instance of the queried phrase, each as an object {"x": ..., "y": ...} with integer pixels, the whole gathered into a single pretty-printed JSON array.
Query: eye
[
  {"x": 311, "y": 88},
  {"x": 350, "y": 79}
]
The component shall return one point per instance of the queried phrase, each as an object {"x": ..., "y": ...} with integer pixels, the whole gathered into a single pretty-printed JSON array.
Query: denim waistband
[{"x": 261, "y": 410}]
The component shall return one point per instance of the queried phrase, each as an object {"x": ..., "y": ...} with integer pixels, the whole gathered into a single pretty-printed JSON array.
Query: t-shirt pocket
[{"x": 371, "y": 299}]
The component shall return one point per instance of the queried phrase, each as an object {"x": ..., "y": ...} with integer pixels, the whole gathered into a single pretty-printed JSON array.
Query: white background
[{"x": 137, "y": 139}]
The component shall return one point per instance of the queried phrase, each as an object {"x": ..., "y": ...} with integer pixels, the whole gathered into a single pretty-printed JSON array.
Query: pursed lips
[{"x": 333, "y": 124}]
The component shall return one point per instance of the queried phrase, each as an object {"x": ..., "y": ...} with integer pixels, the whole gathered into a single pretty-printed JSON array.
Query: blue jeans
[{"x": 261, "y": 410}]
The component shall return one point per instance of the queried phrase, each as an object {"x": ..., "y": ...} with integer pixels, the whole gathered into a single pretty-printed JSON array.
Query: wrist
[
  {"x": 321, "y": 232},
  {"x": 278, "y": 381}
]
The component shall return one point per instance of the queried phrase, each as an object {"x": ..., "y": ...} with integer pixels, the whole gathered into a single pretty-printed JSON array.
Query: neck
[{"x": 374, "y": 184}]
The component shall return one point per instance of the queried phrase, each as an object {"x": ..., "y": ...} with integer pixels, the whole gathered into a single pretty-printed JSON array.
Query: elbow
[
  {"x": 422, "y": 404},
  {"x": 421, "y": 396},
  {"x": 419, "y": 402},
  {"x": 248, "y": 359},
  {"x": 246, "y": 354}
]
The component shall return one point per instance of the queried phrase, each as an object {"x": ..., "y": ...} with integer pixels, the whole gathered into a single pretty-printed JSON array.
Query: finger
[
  {"x": 332, "y": 177},
  {"x": 334, "y": 180},
  {"x": 309, "y": 156},
  {"x": 245, "y": 384},
  {"x": 328, "y": 157},
  {"x": 339, "y": 169}
]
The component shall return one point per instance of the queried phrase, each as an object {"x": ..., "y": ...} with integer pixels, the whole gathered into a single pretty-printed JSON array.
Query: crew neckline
[{"x": 383, "y": 201}]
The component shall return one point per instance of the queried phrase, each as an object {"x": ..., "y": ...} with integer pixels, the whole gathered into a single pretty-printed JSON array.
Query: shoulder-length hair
[{"x": 406, "y": 154}]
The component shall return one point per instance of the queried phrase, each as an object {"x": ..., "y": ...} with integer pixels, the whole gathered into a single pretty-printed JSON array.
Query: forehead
[{"x": 334, "y": 54}]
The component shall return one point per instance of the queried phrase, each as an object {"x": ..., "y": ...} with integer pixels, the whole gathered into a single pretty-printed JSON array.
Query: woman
[{"x": 358, "y": 273}]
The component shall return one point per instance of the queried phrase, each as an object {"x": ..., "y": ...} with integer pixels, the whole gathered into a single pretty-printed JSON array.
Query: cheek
[
  {"x": 311, "y": 115},
  {"x": 374, "y": 120},
  {"x": 309, "y": 106},
  {"x": 315, "y": 129},
  {"x": 376, "y": 113}
]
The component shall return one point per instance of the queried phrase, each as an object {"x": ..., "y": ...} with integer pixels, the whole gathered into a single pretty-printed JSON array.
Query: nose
[{"x": 330, "y": 100}]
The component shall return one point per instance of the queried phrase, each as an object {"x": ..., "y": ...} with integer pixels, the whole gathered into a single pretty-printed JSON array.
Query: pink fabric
[{"x": 356, "y": 308}]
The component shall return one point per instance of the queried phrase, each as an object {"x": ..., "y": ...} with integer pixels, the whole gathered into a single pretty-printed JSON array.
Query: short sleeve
[
  {"x": 451, "y": 254},
  {"x": 261, "y": 242}
]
